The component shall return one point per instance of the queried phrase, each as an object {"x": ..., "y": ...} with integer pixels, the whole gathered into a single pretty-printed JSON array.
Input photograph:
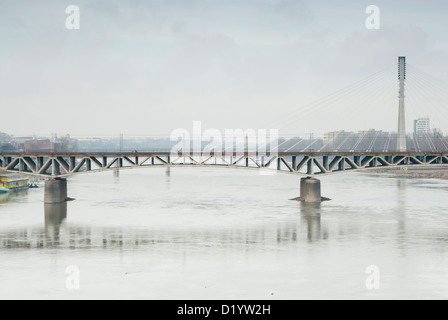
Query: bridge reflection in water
[
  {"x": 59, "y": 233},
  {"x": 5, "y": 196}
]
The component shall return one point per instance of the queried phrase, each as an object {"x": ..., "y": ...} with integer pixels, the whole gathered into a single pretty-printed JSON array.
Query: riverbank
[{"x": 409, "y": 172}]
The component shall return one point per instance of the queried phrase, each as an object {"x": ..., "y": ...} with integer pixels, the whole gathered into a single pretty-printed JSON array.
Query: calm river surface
[{"x": 203, "y": 233}]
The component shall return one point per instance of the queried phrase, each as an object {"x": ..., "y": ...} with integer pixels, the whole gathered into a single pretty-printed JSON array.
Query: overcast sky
[{"x": 149, "y": 67}]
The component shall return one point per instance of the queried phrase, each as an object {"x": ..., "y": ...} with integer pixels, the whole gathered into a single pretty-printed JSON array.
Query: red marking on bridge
[{"x": 194, "y": 154}]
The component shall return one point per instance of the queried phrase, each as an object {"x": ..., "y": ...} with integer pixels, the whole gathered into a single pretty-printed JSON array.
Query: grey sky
[{"x": 148, "y": 67}]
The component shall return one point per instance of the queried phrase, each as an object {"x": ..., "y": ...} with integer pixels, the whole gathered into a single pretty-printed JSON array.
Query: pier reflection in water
[
  {"x": 58, "y": 232},
  {"x": 311, "y": 218},
  {"x": 55, "y": 215}
]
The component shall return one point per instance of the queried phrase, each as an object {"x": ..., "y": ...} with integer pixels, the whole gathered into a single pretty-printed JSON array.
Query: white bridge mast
[{"x": 401, "y": 139}]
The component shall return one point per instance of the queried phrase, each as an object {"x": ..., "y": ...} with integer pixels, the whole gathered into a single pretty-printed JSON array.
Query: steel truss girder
[{"x": 318, "y": 163}]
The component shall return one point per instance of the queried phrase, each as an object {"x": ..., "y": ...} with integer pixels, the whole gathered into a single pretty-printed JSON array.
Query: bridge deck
[
  {"x": 224, "y": 153},
  {"x": 306, "y": 163}
]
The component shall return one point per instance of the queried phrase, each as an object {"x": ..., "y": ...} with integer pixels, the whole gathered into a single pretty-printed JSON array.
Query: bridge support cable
[
  {"x": 442, "y": 140},
  {"x": 431, "y": 94},
  {"x": 376, "y": 100},
  {"x": 343, "y": 142},
  {"x": 296, "y": 144},
  {"x": 416, "y": 144},
  {"x": 322, "y": 104},
  {"x": 386, "y": 144},
  {"x": 358, "y": 142},
  {"x": 434, "y": 91},
  {"x": 372, "y": 143},
  {"x": 309, "y": 146},
  {"x": 352, "y": 107},
  {"x": 430, "y": 143}
]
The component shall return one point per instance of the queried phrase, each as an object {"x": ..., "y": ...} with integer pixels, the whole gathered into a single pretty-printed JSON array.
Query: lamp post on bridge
[{"x": 311, "y": 141}]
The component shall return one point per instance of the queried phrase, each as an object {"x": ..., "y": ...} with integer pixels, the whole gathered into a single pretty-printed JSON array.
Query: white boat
[{"x": 3, "y": 189}]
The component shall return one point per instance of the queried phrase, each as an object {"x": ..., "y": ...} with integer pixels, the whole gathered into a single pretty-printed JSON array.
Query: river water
[{"x": 209, "y": 233}]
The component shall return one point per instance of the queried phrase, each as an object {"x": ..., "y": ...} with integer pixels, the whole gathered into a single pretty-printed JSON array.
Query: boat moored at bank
[{"x": 9, "y": 182}]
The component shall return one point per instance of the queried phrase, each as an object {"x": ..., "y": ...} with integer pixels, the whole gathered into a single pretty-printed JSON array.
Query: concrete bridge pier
[
  {"x": 55, "y": 190},
  {"x": 310, "y": 190},
  {"x": 55, "y": 214}
]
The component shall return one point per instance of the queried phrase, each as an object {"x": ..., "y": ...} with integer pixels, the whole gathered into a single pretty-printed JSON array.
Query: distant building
[
  {"x": 6, "y": 147},
  {"x": 38, "y": 146},
  {"x": 4, "y": 138},
  {"x": 335, "y": 135},
  {"x": 5, "y": 142},
  {"x": 422, "y": 126}
]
